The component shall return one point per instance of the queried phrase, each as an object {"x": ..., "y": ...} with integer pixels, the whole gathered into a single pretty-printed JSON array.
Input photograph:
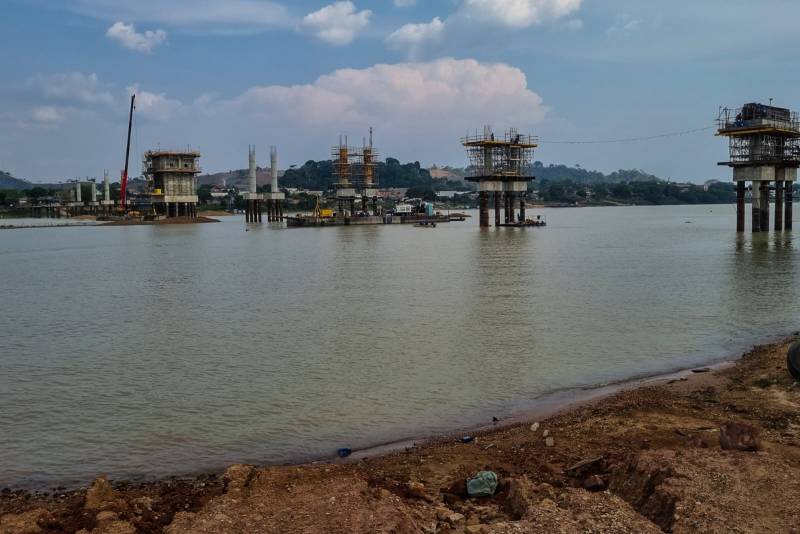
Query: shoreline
[
  {"x": 645, "y": 432},
  {"x": 549, "y": 404}
]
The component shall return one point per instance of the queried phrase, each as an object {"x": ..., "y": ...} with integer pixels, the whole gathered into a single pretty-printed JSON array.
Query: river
[{"x": 150, "y": 351}]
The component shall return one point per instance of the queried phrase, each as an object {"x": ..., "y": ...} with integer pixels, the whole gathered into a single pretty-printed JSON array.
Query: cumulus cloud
[
  {"x": 337, "y": 23},
  {"x": 442, "y": 98},
  {"x": 412, "y": 37},
  {"x": 47, "y": 114},
  {"x": 154, "y": 105},
  {"x": 513, "y": 14},
  {"x": 127, "y": 36},
  {"x": 518, "y": 13}
]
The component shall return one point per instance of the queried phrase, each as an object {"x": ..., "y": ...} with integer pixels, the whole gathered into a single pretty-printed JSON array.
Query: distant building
[{"x": 392, "y": 193}]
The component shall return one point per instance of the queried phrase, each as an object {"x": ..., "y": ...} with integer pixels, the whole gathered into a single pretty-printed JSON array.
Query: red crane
[{"x": 124, "y": 181}]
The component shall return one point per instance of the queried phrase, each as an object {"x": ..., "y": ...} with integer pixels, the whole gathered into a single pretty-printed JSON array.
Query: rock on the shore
[
  {"x": 519, "y": 498},
  {"x": 25, "y": 523},
  {"x": 416, "y": 490},
  {"x": 101, "y": 496},
  {"x": 739, "y": 437}
]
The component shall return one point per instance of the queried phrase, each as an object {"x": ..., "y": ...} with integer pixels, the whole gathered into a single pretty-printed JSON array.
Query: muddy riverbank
[{"x": 648, "y": 459}]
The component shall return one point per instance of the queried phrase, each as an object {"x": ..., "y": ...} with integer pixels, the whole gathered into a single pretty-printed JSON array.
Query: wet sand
[{"x": 640, "y": 457}]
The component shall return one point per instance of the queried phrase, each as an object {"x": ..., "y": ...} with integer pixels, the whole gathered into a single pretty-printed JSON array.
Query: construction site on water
[
  {"x": 499, "y": 166},
  {"x": 354, "y": 195}
]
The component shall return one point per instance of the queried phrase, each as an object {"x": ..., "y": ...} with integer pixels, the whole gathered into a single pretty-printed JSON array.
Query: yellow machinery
[{"x": 322, "y": 213}]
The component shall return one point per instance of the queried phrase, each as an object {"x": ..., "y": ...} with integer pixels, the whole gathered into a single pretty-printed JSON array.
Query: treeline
[
  {"x": 580, "y": 175},
  {"x": 635, "y": 192},
  {"x": 318, "y": 175}
]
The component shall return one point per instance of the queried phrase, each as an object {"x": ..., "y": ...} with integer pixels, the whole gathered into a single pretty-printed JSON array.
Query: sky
[{"x": 219, "y": 75}]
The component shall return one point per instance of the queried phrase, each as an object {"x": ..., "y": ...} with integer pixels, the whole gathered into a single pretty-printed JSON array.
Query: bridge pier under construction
[
  {"x": 499, "y": 165},
  {"x": 764, "y": 149}
]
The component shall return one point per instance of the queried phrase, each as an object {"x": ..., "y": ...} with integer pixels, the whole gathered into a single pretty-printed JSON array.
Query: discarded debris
[
  {"x": 702, "y": 370},
  {"x": 467, "y": 439},
  {"x": 550, "y": 441},
  {"x": 483, "y": 484},
  {"x": 534, "y": 427},
  {"x": 344, "y": 452}
]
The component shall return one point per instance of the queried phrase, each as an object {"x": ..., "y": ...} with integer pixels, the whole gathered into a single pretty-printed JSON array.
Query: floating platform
[
  {"x": 526, "y": 224},
  {"x": 311, "y": 221}
]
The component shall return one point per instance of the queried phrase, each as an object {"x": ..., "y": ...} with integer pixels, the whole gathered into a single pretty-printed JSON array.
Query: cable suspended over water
[{"x": 627, "y": 140}]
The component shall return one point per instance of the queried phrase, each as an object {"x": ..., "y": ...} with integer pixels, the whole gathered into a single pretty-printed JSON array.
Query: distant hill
[
  {"x": 318, "y": 175},
  {"x": 580, "y": 175},
  {"x": 9, "y": 182}
]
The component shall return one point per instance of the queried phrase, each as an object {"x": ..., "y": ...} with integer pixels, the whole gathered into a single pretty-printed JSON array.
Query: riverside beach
[{"x": 667, "y": 454}]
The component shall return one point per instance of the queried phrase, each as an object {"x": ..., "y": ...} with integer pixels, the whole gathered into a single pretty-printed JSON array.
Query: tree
[
  {"x": 425, "y": 192},
  {"x": 621, "y": 191},
  {"x": 38, "y": 192},
  {"x": 204, "y": 194}
]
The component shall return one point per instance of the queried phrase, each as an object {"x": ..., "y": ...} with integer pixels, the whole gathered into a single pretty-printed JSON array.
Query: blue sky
[{"x": 221, "y": 74}]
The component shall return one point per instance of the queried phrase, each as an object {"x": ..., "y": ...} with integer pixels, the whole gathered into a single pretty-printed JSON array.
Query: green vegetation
[
  {"x": 652, "y": 192},
  {"x": 318, "y": 176}
]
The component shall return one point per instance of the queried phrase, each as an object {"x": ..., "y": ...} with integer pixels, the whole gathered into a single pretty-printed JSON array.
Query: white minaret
[
  {"x": 106, "y": 187},
  {"x": 77, "y": 190},
  {"x": 273, "y": 156},
  {"x": 253, "y": 188}
]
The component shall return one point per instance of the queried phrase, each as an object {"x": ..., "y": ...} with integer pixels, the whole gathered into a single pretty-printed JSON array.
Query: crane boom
[{"x": 124, "y": 181}]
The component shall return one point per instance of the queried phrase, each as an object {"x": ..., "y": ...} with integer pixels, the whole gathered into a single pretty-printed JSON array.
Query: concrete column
[
  {"x": 484, "y": 209},
  {"x": 511, "y": 215},
  {"x": 787, "y": 216},
  {"x": 740, "y": 187},
  {"x": 779, "y": 206},
  {"x": 497, "y": 209},
  {"x": 756, "y": 206},
  {"x": 259, "y": 211},
  {"x": 522, "y": 207},
  {"x": 765, "y": 206}
]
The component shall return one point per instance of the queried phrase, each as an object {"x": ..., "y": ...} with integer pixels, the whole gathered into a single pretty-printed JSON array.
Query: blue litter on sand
[
  {"x": 344, "y": 453},
  {"x": 467, "y": 439}
]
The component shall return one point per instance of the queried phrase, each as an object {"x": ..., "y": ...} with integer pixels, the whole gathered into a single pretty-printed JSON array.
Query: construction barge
[{"x": 416, "y": 219}]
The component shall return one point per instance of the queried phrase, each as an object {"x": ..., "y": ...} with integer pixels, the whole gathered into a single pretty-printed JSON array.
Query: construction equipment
[{"x": 124, "y": 179}]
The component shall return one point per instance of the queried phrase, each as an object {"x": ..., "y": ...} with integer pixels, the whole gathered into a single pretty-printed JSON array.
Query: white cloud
[
  {"x": 211, "y": 15},
  {"x": 518, "y": 13},
  {"x": 127, "y": 36},
  {"x": 47, "y": 114},
  {"x": 442, "y": 98},
  {"x": 513, "y": 14},
  {"x": 154, "y": 105},
  {"x": 72, "y": 87},
  {"x": 337, "y": 23},
  {"x": 412, "y": 37}
]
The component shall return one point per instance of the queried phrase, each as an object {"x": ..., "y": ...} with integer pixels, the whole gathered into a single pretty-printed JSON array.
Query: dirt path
[{"x": 644, "y": 460}]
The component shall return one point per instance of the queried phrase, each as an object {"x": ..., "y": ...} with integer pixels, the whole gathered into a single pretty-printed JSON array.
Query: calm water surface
[{"x": 149, "y": 351}]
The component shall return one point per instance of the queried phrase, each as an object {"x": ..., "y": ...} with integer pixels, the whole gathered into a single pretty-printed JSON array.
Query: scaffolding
[
  {"x": 763, "y": 148},
  {"x": 343, "y": 158},
  {"x": 490, "y": 156}
]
